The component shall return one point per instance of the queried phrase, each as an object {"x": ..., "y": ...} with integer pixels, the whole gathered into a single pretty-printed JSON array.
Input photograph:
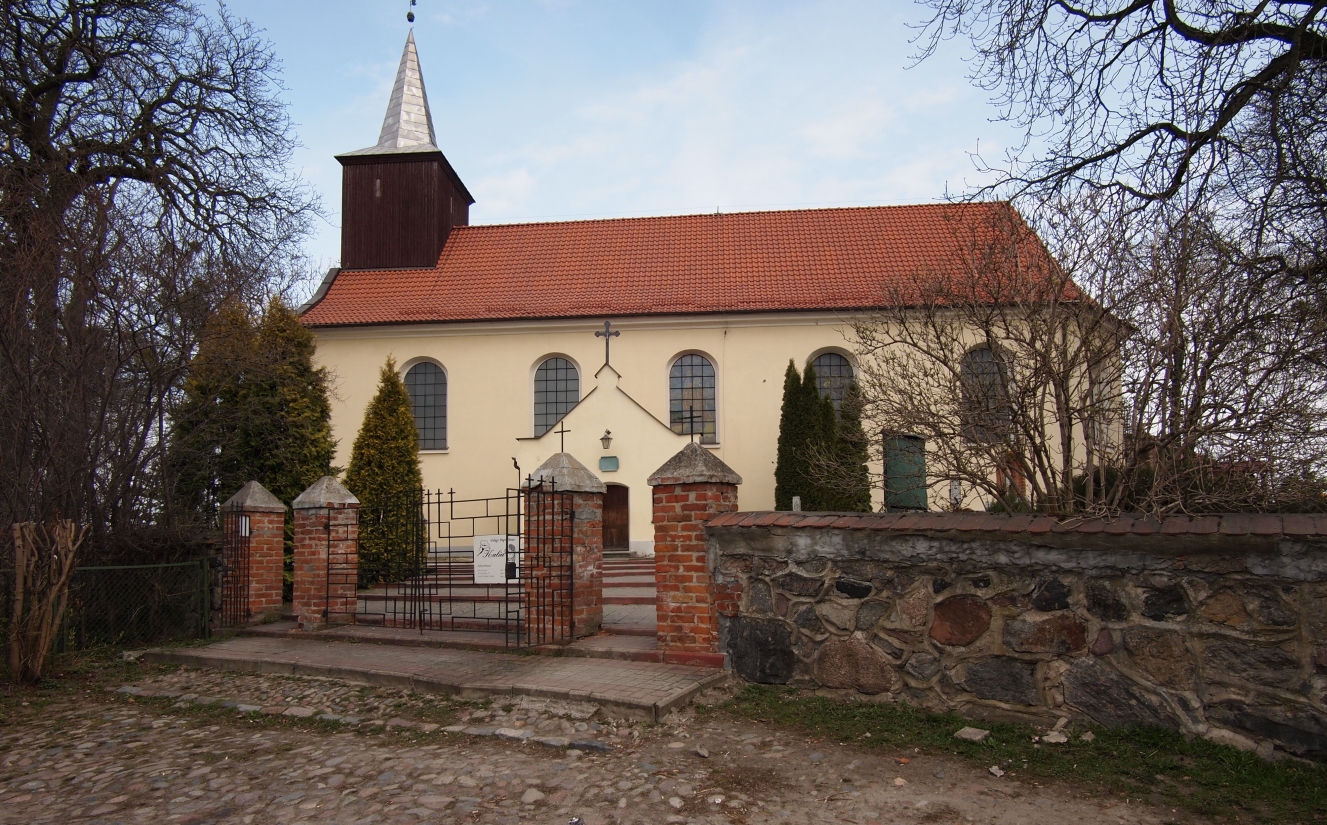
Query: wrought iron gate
[
  {"x": 235, "y": 543},
  {"x": 432, "y": 561}
]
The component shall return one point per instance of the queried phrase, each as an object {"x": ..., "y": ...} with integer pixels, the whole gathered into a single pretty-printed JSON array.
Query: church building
[{"x": 617, "y": 341}]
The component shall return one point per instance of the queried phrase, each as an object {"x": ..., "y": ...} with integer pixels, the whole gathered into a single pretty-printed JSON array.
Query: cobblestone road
[{"x": 191, "y": 755}]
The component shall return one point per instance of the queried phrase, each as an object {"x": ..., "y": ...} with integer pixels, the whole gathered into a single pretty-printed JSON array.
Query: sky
[{"x": 570, "y": 109}]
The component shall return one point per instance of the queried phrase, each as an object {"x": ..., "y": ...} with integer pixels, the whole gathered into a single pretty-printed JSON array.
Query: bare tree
[
  {"x": 1133, "y": 362},
  {"x": 1222, "y": 378},
  {"x": 1156, "y": 97},
  {"x": 43, "y": 565},
  {"x": 999, "y": 361},
  {"x": 142, "y": 183}
]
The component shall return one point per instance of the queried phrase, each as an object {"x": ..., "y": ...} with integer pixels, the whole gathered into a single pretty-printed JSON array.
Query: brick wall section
[
  {"x": 588, "y": 574},
  {"x": 266, "y": 559},
  {"x": 266, "y": 516},
  {"x": 326, "y": 555},
  {"x": 326, "y": 538},
  {"x": 564, "y": 580},
  {"x": 310, "y": 591},
  {"x": 687, "y": 604}
]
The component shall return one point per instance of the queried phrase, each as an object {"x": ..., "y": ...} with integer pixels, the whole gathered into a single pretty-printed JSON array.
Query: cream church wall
[{"x": 490, "y": 386}]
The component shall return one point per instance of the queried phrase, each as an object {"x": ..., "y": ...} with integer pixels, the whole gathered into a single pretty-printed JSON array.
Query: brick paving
[{"x": 647, "y": 690}]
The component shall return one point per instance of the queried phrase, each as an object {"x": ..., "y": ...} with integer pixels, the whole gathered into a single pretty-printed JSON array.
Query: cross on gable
[
  {"x": 562, "y": 434},
  {"x": 608, "y": 334}
]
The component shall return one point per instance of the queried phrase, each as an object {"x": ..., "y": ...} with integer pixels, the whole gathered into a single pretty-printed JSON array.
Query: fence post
[
  {"x": 564, "y": 474},
  {"x": 690, "y": 489},
  {"x": 204, "y": 598},
  {"x": 264, "y": 518},
  {"x": 326, "y": 554}
]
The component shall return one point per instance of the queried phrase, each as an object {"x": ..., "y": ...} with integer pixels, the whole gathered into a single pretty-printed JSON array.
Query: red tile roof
[{"x": 818, "y": 259}]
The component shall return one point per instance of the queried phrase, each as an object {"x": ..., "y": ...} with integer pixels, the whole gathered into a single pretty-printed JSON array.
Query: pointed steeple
[
  {"x": 408, "y": 124},
  {"x": 401, "y": 198}
]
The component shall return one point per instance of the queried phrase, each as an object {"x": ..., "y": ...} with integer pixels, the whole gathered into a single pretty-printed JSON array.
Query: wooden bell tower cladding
[{"x": 401, "y": 198}]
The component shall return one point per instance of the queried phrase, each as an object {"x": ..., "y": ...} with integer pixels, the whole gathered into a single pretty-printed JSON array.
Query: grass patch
[{"x": 1144, "y": 763}]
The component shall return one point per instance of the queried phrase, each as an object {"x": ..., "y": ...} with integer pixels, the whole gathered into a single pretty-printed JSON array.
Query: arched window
[
  {"x": 987, "y": 415},
  {"x": 427, "y": 385},
  {"x": 691, "y": 407},
  {"x": 557, "y": 388},
  {"x": 833, "y": 375}
]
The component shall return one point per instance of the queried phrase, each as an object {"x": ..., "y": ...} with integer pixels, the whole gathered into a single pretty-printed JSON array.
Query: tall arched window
[
  {"x": 987, "y": 414},
  {"x": 557, "y": 388},
  {"x": 833, "y": 375},
  {"x": 691, "y": 406},
  {"x": 427, "y": 384}
]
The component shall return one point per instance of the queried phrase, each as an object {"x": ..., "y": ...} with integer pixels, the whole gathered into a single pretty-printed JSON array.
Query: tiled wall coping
[{"x": 1177, "y": 534}]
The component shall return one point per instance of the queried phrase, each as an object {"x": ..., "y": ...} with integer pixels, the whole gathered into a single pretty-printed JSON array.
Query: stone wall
[{"x": 1216, "y": 629}]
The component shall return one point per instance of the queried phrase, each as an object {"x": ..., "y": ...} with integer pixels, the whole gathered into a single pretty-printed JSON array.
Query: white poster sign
[{"x": 491, "y": 556}]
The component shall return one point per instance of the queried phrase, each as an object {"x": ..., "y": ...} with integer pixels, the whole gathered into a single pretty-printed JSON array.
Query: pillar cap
[
  {"x": 568, "y": 475},
  {"x": 254, "y": 498},
  {"x": 694, "y": 465},
  {"x": 324, "y": 492}
]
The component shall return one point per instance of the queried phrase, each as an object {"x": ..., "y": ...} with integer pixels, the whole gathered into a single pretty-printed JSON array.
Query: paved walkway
[{"x": 642, "y": 690}]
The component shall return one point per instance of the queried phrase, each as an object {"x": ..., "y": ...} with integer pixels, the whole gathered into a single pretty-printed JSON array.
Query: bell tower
[{"x": 401, "y": 198}]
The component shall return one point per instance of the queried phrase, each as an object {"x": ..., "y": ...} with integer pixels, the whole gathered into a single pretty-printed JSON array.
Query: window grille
[
  {"x": 833, "y": 376},
  {"x": 557, "y": 388},
  {"x": 427, "y": 384},
  {"x": 691, "y": 398},
  {"x": 987, "y": 413}
]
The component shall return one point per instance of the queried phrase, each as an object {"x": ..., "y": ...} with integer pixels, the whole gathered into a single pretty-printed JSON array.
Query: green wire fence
[{"x": 125, "y": 606}]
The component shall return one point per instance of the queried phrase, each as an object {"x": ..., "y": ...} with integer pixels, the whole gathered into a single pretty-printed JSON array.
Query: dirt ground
[{"x": 228, "y": 748}]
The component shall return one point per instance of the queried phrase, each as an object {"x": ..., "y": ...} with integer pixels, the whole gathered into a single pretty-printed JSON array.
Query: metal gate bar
[
  {"x": 235, "y": 543},
  {"x": 431, "y": 561}
]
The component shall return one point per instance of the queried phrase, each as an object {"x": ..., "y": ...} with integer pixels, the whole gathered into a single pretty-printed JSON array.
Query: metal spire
[{"x": 408, "y": 125}]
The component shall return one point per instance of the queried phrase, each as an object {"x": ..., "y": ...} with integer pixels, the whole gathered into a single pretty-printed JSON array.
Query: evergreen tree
[
  {"x": 790, "y": 468},
  {"x": 384, "y": 475},
  {"x": 254, "y": 407},
  {"x": 821, "y": 439},
  {"x": 286, "y": 429},
  {"x": 853, "y": 485},
  {"x": 205, "y": 457},
  {"x": 809, "y": 425}
]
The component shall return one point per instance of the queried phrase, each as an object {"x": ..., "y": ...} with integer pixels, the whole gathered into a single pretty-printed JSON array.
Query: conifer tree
[
  {"x": 384, "y": 475},
  {"x": 821, "y": 439},
  {"x": 254, "y": 407},
  {"x": 851, "y": 481},
  {"x": 286, "y": 430},
  {"x": 790, "y": 468},
  {"x": 205, "y": 457}
]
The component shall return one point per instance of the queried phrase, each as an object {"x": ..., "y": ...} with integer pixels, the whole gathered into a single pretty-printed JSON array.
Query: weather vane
[{"x": 409, "y": 14}]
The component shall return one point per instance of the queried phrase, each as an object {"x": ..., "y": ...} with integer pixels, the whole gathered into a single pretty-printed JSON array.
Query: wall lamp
[{"x": 607, "y": 439}]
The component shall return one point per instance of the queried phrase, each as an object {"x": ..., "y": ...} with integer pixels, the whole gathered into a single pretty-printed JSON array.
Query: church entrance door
[{"x": 617, "y": 519}]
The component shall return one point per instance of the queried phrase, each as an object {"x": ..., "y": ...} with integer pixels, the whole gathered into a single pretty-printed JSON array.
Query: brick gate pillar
[
  {"x": 326, "y": 554},
  {"x": 264, "y": 524},
  {"x": 564, "y": 474},
  {"x": 690, "y": 489}
]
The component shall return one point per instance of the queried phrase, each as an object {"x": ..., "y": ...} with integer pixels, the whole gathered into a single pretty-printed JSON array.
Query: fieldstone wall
[{"x": 1213, "y": 633}]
